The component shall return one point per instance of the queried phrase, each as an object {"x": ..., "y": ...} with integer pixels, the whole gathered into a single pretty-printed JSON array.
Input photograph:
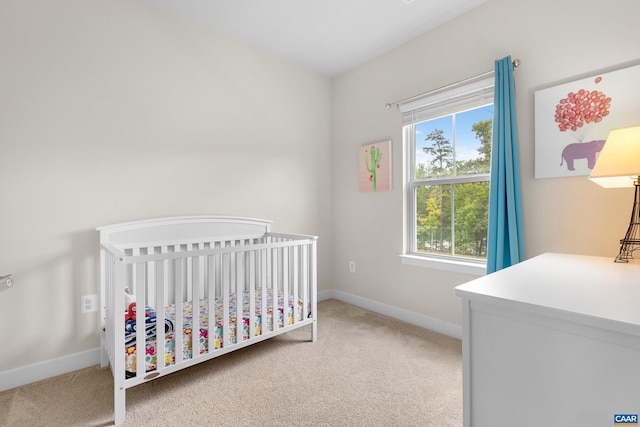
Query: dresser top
[{"x": 569, "y": 285}]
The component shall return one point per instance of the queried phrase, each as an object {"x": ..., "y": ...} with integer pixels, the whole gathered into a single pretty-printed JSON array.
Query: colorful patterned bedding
[{"x": 205, "y": 334}]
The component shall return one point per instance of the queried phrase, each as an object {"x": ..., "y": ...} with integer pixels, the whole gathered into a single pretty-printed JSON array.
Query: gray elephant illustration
[{"x": 582, "y": 150}]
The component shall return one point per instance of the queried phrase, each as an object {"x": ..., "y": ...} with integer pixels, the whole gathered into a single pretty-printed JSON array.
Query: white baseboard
[
  {"x": 73, "y": 362},
  {"x": 48, "y": 369},
  {"x": 437, "y": 325}
]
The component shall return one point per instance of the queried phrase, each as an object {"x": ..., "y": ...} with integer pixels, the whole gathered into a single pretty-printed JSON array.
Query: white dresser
[{"x": 552, "y": 341}]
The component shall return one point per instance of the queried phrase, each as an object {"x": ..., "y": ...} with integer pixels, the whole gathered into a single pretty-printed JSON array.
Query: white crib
[{"x": 233, "y": 280}]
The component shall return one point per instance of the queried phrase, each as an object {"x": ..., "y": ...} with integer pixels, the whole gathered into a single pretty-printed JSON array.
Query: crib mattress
[{"x": 207, "y": 337}]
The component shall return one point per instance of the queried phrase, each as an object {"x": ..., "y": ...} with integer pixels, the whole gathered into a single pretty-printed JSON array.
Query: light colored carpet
[{"x": 364, "y": 370}]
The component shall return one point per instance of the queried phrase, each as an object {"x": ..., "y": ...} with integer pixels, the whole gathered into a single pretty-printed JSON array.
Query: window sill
[{"x": 477, "y": 269}]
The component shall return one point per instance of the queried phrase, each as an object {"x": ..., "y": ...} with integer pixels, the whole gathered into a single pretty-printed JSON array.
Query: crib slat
[
  {"x": 264, "y": 258},
  {"x": 178, "y": 271},
  {"x": 239, "y": 290},
  {"x": 201, "y": 274},
  {"x": 274, "y": 289},
  {"x": 188, "y": 273},
  {"x": 225, "y": 263},
  {"x": 296, "y": 282},
  {"x": 140, "y": 277},
  {"x": 305, "y": 281},
  {"x": 211, "y": 301},
  {"x": 218, "y": 294},
  {"x": 231, "y": 290},
  {"x": 252, "y": 294},
  {"x": 285, "y": 286},
  {"x": 150, "y": 289},
  {"x": 193, "y": 283},
  {"x": 160, "y": 280}
]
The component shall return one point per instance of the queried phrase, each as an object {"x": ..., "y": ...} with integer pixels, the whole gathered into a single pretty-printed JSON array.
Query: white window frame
[{"x": 456, "y": 98}]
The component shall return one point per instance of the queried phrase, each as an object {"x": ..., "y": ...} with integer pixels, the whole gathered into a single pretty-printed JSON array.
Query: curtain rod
[{"x": 515, "y": 63}]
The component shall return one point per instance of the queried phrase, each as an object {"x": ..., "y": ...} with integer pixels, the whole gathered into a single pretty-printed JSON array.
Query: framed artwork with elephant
[{"x": 573, "y": 120}]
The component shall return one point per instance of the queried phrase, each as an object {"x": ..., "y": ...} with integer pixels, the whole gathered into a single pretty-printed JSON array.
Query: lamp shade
[{"x": 618, "y": 164}]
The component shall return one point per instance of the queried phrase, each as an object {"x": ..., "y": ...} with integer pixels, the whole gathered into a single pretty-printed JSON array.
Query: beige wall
[
  {"x": 114, "y": 111},
  {"x": 556, "y": 41}
]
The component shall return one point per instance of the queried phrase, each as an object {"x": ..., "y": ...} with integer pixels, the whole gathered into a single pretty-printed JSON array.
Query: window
[{"x": 447, "y": 140}]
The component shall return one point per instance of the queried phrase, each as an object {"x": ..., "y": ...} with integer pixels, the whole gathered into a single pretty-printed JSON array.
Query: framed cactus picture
[
  {"x": 573, "y": 120},
  {"x": 375, "y": 167}
]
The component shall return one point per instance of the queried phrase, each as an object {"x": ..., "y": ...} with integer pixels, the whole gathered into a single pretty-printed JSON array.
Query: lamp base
[{"x": 631, "y": 240}]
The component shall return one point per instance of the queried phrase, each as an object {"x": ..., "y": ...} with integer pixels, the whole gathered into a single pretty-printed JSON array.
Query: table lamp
[{"x": 618, "y": 165}]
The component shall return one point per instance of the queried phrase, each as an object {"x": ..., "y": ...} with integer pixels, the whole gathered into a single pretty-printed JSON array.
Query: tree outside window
[{"x": 450, "y": 183}]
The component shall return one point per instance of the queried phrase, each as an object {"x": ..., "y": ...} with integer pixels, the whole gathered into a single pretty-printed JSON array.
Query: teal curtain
[{"x": 505, "y": 240}]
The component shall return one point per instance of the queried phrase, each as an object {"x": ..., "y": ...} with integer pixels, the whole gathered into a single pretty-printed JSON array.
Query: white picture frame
[{"x": 573, "y": 120}]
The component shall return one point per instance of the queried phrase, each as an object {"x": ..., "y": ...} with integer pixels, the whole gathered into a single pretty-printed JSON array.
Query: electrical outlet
[
  {"x": 6, "y": 281},
  {"x": 89, "y": 303},
  {"x": 352, "y": 266}
]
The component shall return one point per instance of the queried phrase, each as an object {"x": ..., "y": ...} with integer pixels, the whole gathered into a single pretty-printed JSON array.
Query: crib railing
[{"x": 194, "y": 276}]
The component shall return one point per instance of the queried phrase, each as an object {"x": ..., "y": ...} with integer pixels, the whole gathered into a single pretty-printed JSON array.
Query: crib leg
[
  {"x": 119, "y": 407},
  {"x": 314, "y": 330}
]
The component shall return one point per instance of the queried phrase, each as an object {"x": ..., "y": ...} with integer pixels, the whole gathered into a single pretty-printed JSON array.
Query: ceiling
[{"x": 328, "y": 36}]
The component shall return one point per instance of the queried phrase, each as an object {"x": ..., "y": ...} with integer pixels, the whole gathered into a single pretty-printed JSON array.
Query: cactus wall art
[
  {"x": 573, "y": 120},
  {"x": 375, "y": 167}
]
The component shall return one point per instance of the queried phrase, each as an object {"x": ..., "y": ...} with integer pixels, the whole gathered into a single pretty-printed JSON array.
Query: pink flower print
[
  {"x": 151, "y": 351},
  {"x": 580, "y": 108},
  {"x": 204, "y": 333}
]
